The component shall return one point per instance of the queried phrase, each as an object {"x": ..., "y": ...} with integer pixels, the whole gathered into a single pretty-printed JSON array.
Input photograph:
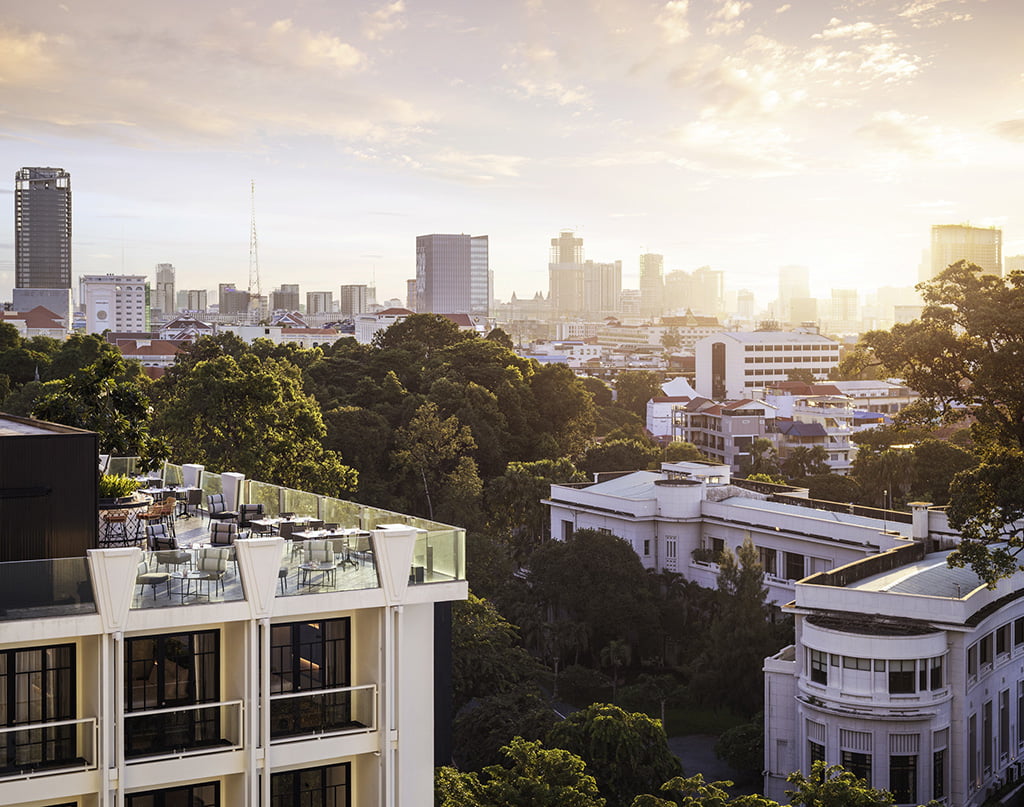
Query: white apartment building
[
  {"x": 680, "y": 518},
  {"x": 266, "y": 689},
  {"x": 730, "y": 364},
  {"x": 115, "y": 302},
  {"x": 816, "y": 420},
  {"x": 285, "y": 334},
  {"x": 885, "y": 397},
  {"x": 905, "y": 671}
]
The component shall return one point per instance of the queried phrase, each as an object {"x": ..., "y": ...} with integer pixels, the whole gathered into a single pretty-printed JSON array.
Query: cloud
[
  {"x": 553, "y": 91},
  {"x": 727, "y": 18},
  {"x": 896, "y": 131},
  {"x": 837, "y": 29},
  {"x": 673, "y": 22},
  {"x": 1011, "y": 130},
  {"x": 384, "y": 20},
  {"x": 930, "y": 13},
  {"x": 26, "y": 56},
  {"x": 313, "y": 48},
  {"x": 752, "y": 151}
]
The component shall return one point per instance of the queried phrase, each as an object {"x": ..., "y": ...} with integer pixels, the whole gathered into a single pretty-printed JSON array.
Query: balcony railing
[
  {"x": 46, "y": 749},
  {"x": 325, "y": 712},
  {"x": 31, "y": 589},
  {"x": 179, "y": 731}
]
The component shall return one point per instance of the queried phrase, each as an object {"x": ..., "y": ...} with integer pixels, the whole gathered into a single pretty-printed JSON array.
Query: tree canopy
[{"x": 963, "y": 355}]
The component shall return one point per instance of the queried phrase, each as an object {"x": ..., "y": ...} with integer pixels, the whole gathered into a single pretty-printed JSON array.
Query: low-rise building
[
  {"x": 38, "y": 321},
  {"x": 905, "y": 671},
  {"x": 681, "y": 518}
]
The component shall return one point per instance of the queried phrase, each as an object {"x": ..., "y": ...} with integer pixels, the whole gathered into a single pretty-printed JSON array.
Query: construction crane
[{"x": 255, "y": 292}]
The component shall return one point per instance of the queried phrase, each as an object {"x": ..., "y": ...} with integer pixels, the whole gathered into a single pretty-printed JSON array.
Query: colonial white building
[
  {"x": 905, "y": 671},
  {"x": 681, "y": 518},
  {"x": 115, "y": 302}
]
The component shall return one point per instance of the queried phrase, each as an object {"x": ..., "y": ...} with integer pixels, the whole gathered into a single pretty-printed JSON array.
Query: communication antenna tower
[{"x": 255, "y": 292}]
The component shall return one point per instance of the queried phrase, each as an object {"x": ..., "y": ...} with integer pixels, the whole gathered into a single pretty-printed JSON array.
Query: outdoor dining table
[{"x": 343, "y": 535}]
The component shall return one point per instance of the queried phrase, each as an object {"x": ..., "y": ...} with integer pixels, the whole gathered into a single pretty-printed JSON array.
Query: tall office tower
[
  {"x": 115, "y": 302},
  {"x": 42, "y": 228},
  {"x": 794, "y": 284},
  {"x": 1013, "y": 263},
  {"x": 162, "y": 299},
  {"x": 452, "y": 274},
  {"x": 982, "y": 246},
  {"x": 565, "y": 274},
  {"x": 845, "y": 311},
  {"x": 353, "y": 300},
  {"x": 319, "y": 302},
  {"x": 410, "y": 294},
  {"x": 602, "y": 287},
  {"x": 285, "y": 298},
  {"x": 708, "y": 292},
  {"x": 192, "y": 300},
  {"x": 232, "y": 301},
  {"x": 652, "y": 285},
  {"x": 678, "y": 291}
]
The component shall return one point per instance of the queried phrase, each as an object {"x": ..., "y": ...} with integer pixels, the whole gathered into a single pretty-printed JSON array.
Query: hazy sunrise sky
[{"x": 743, "y": 135}]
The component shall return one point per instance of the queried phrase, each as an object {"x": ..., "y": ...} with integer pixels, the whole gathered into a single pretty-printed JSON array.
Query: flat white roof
[{"x": 774, "y": 336}]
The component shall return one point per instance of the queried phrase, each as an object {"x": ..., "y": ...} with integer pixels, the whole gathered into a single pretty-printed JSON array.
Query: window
[
  {"x": 819, "y": 667},
  {"x": 307, "y": 657},
  {"x": 1003, "y": 640},
  {"x": 647, "y": 547},
  {"x": 986, "y": 736},
  {"x": 851, "y": 663},
  {"x": 936, "y": 681},
  {"x": 903, "y": 778},
  {"x": 316, "y": 787},
  {"x": 939, "y": 774},
  {"x": 901, "y": 677},
  {"x": 985, "y": 650},
  {"x": 162, "y": 672},
  {"x": 972, "y": 750},
  {"x": 768, "y": 559},
  {"x": 566, "y": 530},
  {"x": 972, "y": 661},
  {"x": 206, "y": 794},
  {"x": 37, "y": 685},
  {"x": 794, "y": 566},
  {"x": 1018, "y": 632},
  {"x": 1004, "y": 725},
  {"x": 670, "y": 547},
  {"x": 815, "y": 752},
  {"x": 857, "y": 763}
]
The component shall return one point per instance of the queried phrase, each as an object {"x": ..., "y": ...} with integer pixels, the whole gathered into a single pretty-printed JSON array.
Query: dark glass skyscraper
[
  {"x": 42, "y": 228},
  {"x": 452, "y": 274}
]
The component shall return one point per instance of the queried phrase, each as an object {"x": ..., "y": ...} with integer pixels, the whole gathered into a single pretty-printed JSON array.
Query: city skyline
[{"x": 737, "y": 135}]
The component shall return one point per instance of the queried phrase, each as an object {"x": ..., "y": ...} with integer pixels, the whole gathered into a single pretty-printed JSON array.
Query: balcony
[
  {"x": 47, "y": 749},
  {"x": 181, "y": 731},
  {"x": 323, "y": 713}
]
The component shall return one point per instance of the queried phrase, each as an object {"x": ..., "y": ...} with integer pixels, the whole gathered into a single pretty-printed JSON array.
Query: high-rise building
[
  {"x": 162, "y": 299},
  {"x": 602, "y": 287},
  {"x": 115, "y": 302},
  {"x": 845, "y": 311},
  {"x": 982, "y": 246},
  {"x": 232, "y": 301},
  {"x": 708, "y": 292},
  {"x": 565, "y": 274},
  {"x": 745, "y": 304},
  {"x": 285, "y": 298},
  {"x": 354, "y": 299},
  {"x": 42, "y": 228},
  {"x": 794, "y": 284},
  {"x": 410, "y": 294},
  {"x": 192, "y": 300},
  {"x": 319, "y": 302},
  {"x": 1013, "y": 263},
  {"x": 652, "y": 285},
  {"x": 452, "y": 274}
]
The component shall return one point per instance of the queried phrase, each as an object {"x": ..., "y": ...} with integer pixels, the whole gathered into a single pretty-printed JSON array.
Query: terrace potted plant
[{"x": 116, "y": 489}]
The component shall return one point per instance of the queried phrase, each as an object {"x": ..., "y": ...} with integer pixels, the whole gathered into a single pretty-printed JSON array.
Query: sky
[{"x": 741, "y": 135}]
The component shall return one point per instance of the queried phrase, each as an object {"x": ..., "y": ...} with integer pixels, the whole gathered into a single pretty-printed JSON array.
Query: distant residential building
[
  {"x": 42, "y": 229},
  {"x": 452, "y": 274},
  {"x": 353, "y": 300},
  {"x": 232, "y": 301},
  {"x": 115, "y": 302},
  {"x": 701, "y": 291},
  {"x": 745, "y": 304},
  {"x": 688, "y": 330},
  {"x": 38, "y": 321},
  {"x": 185, "y": 329},
  {"x": 810, "y": 421},
  {"x": 154, "y": 354},
  {"x": 602, "y": 287},
  {"x": 845, "y": 316},
  {"x": 285, "y": 298},
  {"x": 723, "y": 431},
  {"x": 367, "y": 325},
  {"x": 652, "y": 285},
  {"x": 281, "y": 334},
  {"x": 192, "y": 300},
  {"x": 884, "y": 397},
  {"x": 319, "y": 302},
  {"x": 162, "y": 297},
  {"x": 982, "y": 246},
  {"x": 730, "y": 364}
]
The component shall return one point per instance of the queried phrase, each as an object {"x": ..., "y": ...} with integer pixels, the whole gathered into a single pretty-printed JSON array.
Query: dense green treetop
[{"x": 634, "y": 388}]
